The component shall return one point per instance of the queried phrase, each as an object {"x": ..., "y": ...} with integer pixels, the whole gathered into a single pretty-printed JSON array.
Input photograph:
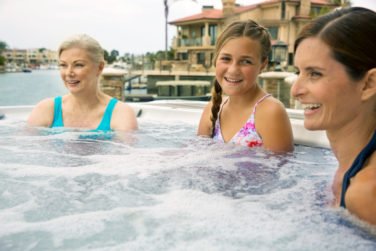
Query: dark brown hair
[{"x": 350, "y": 33}]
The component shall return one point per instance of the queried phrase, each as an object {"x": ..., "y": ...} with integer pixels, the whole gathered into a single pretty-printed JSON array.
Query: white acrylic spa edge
[{"x": 189, "y": 112}]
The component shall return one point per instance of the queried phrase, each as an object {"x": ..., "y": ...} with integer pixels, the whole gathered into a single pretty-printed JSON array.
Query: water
[
  {"x": 29, "y": 88},
  {"x": 162, "y": 188}
]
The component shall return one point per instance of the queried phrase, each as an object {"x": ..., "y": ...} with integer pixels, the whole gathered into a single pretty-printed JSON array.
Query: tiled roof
[
  {"x": 207, "y": 14},
  {"x": 218, "y": 14},
  {"x": 321, "y": 2}
]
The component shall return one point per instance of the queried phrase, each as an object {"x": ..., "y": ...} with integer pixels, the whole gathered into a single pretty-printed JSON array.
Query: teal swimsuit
[
  {"x": 357, "y": 166},
  {"x": 105, "y": 124}
]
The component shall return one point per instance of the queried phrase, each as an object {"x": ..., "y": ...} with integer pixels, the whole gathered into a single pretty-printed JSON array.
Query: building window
[
  {"x": 273, "y": 32},
  {"x": 315, "y": 11},
  {"x": 183, "y": 56},
  {"x": 201, "y": 58},
  {"x": 283, "y": 10},
  {"x": 202, "y": 29},
  {"x": 213, "y": 33}
]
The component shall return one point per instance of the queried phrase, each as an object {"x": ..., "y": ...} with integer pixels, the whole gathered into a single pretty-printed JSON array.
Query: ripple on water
[{"x": 163, "y": 188}]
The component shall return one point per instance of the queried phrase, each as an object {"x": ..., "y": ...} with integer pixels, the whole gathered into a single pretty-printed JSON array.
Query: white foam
[{"x": 165, "y": 189}]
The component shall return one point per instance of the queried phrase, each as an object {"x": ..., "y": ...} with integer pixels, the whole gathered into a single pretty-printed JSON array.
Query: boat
[{"x": 27, "y": 70}]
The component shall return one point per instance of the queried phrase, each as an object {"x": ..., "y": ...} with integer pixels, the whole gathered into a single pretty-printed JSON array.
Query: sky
[{"x": 129, "y": 26}]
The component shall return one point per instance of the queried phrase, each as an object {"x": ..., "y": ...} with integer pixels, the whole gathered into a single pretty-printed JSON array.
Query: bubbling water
[{"x": 163, "y": 188}]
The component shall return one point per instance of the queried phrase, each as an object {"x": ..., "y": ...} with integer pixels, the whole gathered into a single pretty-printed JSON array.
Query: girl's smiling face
[{"x": 238, "y": 65}]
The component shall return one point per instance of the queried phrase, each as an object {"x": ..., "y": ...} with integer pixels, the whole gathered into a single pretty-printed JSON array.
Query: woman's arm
[
  {"x": 42, "y": 114},
  {"x": 360, "y": 197},
  {"x": 274, "y": 127},
  {"x": 123, "y": 118}
]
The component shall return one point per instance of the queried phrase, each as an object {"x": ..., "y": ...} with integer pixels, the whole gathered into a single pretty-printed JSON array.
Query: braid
[
  {"x": 237, "y": 29},
  {"x": 216, "y": 103}
]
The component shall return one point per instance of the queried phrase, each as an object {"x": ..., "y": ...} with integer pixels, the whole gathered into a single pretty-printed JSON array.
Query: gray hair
[{"x": 83, "y": 41}]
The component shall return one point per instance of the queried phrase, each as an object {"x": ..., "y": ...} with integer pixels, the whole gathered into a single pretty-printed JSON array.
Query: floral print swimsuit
[{"x": 247, "y": 136}]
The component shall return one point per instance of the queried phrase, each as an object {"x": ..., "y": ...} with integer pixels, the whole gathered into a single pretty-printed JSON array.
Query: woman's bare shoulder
[
  {"x": 361, "y": 195},
  {"x": 123, "y": 107},
  {"x": 124, "y": 117},
  {"x": 42, "y": 113},
  {"x": 46, "y": 103}
]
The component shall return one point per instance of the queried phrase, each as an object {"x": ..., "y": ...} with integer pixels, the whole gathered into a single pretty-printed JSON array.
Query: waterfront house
[
  {"x": 33, "y": 58},
  {"x": 196, "y": 34}
]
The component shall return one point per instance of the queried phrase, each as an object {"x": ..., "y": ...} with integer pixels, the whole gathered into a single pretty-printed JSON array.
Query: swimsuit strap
[
  {"x": 357, "y": 166},
  {"x": 105, "y": 124},
  {"x": 220, "y": 108},
  {"x": 254, "y": 108},
  {"x": 58, "y": 113},
  {"x": 259, "y": 101}
]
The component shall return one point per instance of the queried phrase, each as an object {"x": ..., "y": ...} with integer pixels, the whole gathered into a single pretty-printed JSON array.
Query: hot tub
[{"x": 164, "y": 188}]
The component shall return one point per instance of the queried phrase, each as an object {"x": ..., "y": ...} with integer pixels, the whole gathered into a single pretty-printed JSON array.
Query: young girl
[{"x": 247, "y": 115}]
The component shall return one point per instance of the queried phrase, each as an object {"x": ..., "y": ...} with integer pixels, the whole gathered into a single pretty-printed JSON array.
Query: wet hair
[
  {"x": 249, "y": 29},
  {"x": 350, "y": 33},
  {"x": 83, "y": 41}
]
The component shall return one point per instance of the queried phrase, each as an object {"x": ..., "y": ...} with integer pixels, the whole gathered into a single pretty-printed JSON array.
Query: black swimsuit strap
[{"x": 357, "y": 166}]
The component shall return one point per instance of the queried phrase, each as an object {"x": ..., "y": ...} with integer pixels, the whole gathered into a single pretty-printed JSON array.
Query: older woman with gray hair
[{"x": 81, "y": 61}]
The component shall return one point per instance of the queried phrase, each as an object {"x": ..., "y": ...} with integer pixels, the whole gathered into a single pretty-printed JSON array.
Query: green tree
[
  {"x": 114, "y": 54},
  {"x": 3, "y": 46},
  {"x": 326, "y": 9},
  {"x": 110, "y": 57},
  {"x": 171, "y": 54},
  {"x": 107, "y": 57},
  {"x": 343, "y": 3},
  {"x": 126, "y": 58},
  {"x": 150, "y": 57}
]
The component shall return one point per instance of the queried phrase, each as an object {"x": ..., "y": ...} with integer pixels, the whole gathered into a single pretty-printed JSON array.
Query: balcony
[{"x": 189, "y": 42}]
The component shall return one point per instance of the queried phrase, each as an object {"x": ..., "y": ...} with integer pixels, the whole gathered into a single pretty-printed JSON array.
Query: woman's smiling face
[
  {"x": 78, "y": 70},
  {"x": 329, "y": 96}
]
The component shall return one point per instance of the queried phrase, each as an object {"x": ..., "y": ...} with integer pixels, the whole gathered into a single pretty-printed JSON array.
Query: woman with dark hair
[
  {"x": 335, "y": 57},
  {"x": 247, "y": 115}
]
